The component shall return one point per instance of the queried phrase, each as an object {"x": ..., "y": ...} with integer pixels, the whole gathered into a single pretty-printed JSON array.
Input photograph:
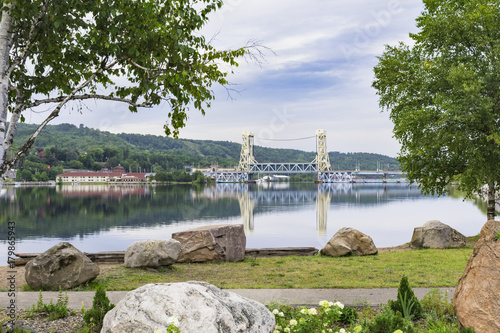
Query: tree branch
[
  {"x": 6, "y": 165},
  {"x": 84, "y": 97}
]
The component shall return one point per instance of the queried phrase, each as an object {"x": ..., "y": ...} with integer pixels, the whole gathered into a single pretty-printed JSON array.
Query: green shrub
[
  {"x": 348, "y": 316},
  {"x": 390, "y": 321},
  {"x": 100, "y": 306},
  {"x": 437, "y": 301},
  {"x": 407, "y": 303},
  {"x": 467, "y": 330},
  {"x": 55, "y": 311}
]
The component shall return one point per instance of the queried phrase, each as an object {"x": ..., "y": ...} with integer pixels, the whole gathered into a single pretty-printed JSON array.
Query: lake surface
[{"x": 109, "y": 218}]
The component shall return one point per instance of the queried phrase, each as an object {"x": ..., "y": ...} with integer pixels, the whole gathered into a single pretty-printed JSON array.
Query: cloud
[{"x": 319, "y": 77}]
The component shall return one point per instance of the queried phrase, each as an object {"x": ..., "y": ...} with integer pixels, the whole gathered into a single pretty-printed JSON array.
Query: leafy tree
[
  {"x": 443, "y": 94},
  {"x": 26, "y": 175},
  {"x": 141, "y": 53}
]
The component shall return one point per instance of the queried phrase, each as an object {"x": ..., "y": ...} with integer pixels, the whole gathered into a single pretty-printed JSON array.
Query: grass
[{"x": 425, "y": 268}]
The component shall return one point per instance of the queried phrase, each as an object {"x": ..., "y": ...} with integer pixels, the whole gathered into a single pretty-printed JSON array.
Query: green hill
[{"x": 67, "y": 146}]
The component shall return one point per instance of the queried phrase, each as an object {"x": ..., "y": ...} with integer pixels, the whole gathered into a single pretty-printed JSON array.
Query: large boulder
[
  {"x": 61, "y": 266},
  {"x": 193, "y": 306},
  {"x": 212, "y": 243},
  {"x": 349, "y": 241},
  {"x": 476, "y": 300},
  {"x": 152, "y": 253},
  {"x": 436, "y": 235}
]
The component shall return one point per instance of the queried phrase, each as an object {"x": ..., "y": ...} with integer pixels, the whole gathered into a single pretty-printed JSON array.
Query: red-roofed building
[{"x": 102, "y": 177}]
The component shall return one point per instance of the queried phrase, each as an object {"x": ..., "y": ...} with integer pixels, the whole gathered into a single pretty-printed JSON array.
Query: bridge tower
[
  {"x": 246, "y": 155},
  {"x": 322, "y": 158}
]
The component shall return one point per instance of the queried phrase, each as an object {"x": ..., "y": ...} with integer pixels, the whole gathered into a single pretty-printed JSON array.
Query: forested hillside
[{"x": 67, "y": 146}]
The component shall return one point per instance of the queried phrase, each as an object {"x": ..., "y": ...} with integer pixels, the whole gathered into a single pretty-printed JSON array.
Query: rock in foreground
[
  {"x": 212, "y": 243},
  {"x": 62, "y": 266},
  {"x": 476, "y": 300},
  {"x": 152, "y": 253},
  {"x": 193, "y": 306},
  {"x": 349, "y": 241},
  {"x": 436, "y": 235}
]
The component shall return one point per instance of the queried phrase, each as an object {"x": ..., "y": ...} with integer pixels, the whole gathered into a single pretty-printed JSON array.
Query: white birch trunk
[{"x": 5, "y": 44}]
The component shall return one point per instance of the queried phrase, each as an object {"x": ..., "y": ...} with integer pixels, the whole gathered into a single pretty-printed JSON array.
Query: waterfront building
[{"x": 103, "y": 177}]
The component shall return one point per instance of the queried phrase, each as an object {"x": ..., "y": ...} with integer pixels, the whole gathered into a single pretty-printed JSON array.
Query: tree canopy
[
  {"x": 443, "y": 94},
  {"x": 138, "y": 52}
]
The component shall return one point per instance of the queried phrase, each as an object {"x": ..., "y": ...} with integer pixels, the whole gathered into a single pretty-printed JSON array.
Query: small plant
[
  {"x": 390, "y": 321},
  {"x": 348, "y": 316},
  {"x": 406, "y": 301},
  {"x": 497, "y": 235},
  {"x": 54, "y": 311},
  {"x": 406, "y": 305},
  {"x": 100, "y": 306},
  {"x": 437, "y": 302}
]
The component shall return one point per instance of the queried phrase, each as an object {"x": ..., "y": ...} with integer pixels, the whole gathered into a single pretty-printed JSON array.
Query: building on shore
[{"x": 103, "y": 177}]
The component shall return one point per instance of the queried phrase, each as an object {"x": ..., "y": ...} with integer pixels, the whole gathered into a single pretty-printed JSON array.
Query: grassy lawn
[{"x": 424, "y": 268}]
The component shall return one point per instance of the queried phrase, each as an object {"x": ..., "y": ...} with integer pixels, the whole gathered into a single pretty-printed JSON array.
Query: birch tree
[
  {"x": 139, "y": 52},
  {"x": 443, "y": 94}
]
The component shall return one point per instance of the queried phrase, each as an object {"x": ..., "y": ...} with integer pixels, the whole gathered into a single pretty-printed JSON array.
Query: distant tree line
[{"x": 65, "y": 146}]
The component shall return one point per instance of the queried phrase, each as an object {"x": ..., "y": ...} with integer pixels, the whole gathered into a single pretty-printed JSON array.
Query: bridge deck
[{"x": 283, "y": 168}]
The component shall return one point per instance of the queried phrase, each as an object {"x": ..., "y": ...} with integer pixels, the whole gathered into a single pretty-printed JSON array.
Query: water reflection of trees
[
  {"x": 69, "y": 211},
  {"x": 52, "y": 212}
]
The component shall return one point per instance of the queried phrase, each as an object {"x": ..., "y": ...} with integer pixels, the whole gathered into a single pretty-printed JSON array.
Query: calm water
[{"x": 98, "y": 217}]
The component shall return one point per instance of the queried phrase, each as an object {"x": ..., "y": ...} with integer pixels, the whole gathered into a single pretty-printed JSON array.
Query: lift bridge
[{"x": 248, "y": 166}]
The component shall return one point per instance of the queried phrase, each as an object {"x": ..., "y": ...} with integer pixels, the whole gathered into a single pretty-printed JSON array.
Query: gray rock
[
  {"x": 475, "y": 300},
  {"x": 212, "y": 243},
  {"x": 198, "y": 307},
  {"x": 436, "y": 235},
  {"x": 18, "y": 326},
  {"x": 61, "y": 266},
  {"x": 152, "y": 253},
  {"x": 349, "y": 241}
]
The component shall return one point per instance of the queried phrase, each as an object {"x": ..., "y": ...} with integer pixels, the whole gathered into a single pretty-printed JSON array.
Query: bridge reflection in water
[{"x": 254, "y": 196}]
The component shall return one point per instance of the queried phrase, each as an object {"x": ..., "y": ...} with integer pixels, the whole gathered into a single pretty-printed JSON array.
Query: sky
[{"x": 318, "y": 76}]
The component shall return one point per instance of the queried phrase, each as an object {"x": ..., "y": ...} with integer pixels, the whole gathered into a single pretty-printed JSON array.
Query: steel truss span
[
  {"x": 335, "y": 177},
  {"x": 287, "y": 168},
  {"x": 232, "y": 177}
]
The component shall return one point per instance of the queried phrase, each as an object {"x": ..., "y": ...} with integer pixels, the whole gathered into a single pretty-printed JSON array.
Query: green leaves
[
  {"x": 155, "y": 44},
  {"x": 443, "y": 95}
]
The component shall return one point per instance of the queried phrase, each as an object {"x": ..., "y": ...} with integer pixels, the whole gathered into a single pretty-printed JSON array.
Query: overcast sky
[{"x": 319, "y": 77}]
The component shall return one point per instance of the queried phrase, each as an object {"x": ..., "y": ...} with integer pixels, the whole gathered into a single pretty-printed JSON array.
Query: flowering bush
[{"x": 323, "y": 319}]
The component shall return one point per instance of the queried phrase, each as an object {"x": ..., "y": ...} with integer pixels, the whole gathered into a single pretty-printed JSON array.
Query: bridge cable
[{"x": 307, "y": 137}]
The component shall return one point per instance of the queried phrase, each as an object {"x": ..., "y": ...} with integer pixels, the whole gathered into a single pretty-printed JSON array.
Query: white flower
[
  {"x": 324, "y": 304},
  {"x": 312, "y": 311},
  {"x": 338, "y": 304},
  {"x": 287, "y": 329},
  {"x": 342, "y": 330},
  {"x": 173, "y": 321},
  {"x": 281, "y": 314},
  {"x": 303, "y": 311},
  {"x": 293, "y": 322}
]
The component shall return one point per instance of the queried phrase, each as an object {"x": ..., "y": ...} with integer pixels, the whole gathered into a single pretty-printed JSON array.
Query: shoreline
[{"x": 5, "y": 271}]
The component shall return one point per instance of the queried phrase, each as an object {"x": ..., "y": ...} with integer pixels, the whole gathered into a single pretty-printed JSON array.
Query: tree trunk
[
  {"x": 491, "y": 201},
  {"x": 5, "y": 44}
]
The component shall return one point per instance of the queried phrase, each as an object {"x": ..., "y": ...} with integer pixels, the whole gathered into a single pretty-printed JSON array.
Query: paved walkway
[{"x": 309, "y": 297}]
